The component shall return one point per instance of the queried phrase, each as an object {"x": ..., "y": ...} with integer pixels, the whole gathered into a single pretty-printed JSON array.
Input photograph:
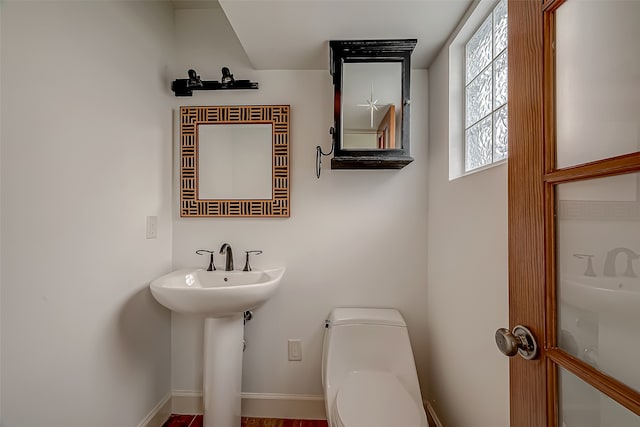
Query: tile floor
[{"x": 196, "y": 421}]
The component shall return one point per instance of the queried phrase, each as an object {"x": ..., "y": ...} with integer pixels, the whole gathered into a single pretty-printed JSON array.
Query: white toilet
[{"x": 368, "y": 372}]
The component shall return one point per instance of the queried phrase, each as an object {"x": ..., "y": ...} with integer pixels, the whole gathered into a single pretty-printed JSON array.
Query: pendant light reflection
[{"x": 371, "y": 104}]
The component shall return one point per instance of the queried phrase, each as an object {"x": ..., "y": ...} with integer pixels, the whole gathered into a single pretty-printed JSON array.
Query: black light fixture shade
[
  {"x": 194, "y": 79},
  {"x": 185, "y": 87},
  {"x": 227, "y": 77}
]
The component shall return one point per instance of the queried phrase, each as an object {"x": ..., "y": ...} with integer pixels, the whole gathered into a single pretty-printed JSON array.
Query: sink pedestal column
[{"x": 222, "y": 380}]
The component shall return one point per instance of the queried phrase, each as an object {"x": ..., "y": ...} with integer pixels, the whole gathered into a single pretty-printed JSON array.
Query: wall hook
[{"x": 320, "y": 153}]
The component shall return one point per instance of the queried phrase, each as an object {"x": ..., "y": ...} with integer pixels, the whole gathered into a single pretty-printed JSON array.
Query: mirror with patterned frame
[{"x": 226, "y": 155}]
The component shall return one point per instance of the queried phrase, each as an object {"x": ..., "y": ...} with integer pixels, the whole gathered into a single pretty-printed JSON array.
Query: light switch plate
[
  {"x": 152, "y": 227},
  {"x": 295, "y": 350}
]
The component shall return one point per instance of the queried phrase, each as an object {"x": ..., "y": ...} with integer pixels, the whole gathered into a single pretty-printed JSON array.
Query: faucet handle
[
  {"x": 629, "y": 270},
  {"x": 247, "y": 267},
  {"x": 589, "y": 271},
  {"x": 211, "y": 267}
]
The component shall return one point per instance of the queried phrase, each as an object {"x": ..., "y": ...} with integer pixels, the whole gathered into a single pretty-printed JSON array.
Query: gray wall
[
  {"x": 86, "y": 156},
  {"x": 467, "y": 297},
  {"x": 354, "y": 238}
]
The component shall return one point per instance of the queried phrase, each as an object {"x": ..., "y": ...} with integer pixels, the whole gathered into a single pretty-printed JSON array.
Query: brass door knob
[{"x": 519, "y": 341}]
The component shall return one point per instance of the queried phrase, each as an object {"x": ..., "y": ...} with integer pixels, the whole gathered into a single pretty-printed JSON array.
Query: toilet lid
[{"x": 375, "y": 399}]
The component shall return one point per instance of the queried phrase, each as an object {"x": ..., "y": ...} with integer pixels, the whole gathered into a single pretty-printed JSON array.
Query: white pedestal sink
[{"x": 221, "y": 297}]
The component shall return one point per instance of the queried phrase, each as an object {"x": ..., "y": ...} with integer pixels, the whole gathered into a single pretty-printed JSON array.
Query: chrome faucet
[
  {"x": 610, "y": 262},
  {"x": 226, "y": 250}
]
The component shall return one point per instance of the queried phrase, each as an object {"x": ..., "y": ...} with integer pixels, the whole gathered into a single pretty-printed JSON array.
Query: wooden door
[{"x": 534, "y": 182}]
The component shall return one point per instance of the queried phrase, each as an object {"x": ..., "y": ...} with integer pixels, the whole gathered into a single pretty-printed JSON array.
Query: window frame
[
  {"x": 489, "y": 15},
  {"x": 477, "y": 13}
]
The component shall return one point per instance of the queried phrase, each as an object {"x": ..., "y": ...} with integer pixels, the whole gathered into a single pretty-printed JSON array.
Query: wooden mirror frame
[
  {"x": 371, "y": 51},
  {"x": 193, "y": 117}
]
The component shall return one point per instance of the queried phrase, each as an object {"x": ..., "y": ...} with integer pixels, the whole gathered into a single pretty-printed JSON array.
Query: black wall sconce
[{"x": 185, "y": 87}]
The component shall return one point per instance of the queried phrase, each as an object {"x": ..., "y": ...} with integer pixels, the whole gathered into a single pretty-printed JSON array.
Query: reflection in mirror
[
  {"x": 372, "y": 87},
  {"x": 234, "y": 161},
  {"x": 597, "y": 228},
  {"x": 371, "y": 101}
]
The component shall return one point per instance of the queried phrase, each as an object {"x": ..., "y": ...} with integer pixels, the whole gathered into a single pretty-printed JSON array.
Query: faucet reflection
[{"x": 610, "y": 262}]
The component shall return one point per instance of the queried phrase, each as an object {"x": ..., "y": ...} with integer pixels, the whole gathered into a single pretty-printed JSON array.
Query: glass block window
[{"x": 485, "y": 122}]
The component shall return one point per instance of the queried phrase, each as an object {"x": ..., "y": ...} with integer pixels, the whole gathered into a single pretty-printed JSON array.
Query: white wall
[
  {"x": 467, "y": 298},
  {"x": 0, "y": 217},
  {"x": 354, "y": 238},
  {"x": 86, "y": 155}
]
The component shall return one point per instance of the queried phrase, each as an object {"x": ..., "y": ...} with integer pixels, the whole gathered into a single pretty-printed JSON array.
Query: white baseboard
[
  {"x": 295, "y": 406},
  {"x": 187, "y": 402},
  {"x": 259, "y": 405},
  {"x": 158, "y": 414},
  {"x": 433, "y": 415}
]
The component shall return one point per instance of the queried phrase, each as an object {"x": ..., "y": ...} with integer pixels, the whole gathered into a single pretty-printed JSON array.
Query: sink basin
[
  {"x": 615, "y": 297},
  {"x": 215, "y": 293}
]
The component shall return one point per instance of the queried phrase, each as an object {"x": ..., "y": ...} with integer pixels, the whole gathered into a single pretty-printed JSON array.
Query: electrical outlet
[
  {"x": 295, "y": 350},
  {"x": 152, "y": 227}
]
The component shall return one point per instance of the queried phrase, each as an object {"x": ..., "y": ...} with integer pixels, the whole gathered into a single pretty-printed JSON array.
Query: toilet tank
[{"x": 361, "y": 339}]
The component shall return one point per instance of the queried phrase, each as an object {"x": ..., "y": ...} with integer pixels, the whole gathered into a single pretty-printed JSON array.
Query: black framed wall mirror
[{"x": 372, "y": 82}]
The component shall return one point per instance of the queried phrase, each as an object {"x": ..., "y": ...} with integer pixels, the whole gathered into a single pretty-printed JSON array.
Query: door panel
[
  {"x": 583, "y": 406},
  {"x": 574, "y": 163},
  {"x": 598, "y": 264},
  {"x": 597, "y": 71},
  {"x": 527, "y": 379}
]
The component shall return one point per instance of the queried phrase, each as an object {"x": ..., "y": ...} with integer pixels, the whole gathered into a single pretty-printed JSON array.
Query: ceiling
[{"x": 294, "y": 34}]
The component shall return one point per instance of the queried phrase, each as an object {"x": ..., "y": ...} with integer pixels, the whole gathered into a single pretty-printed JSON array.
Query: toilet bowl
[{"x": 368, "y": 371}]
